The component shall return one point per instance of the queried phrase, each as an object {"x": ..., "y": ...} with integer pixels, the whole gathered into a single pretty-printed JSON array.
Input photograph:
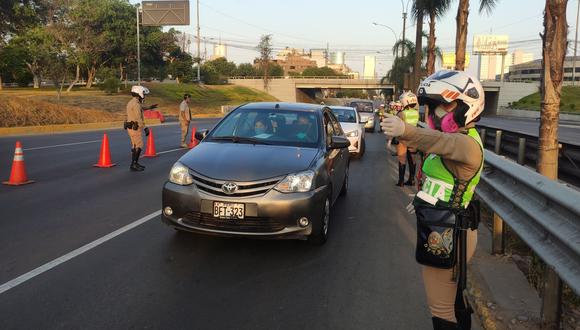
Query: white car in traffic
[{"x": 353, "y": 128}]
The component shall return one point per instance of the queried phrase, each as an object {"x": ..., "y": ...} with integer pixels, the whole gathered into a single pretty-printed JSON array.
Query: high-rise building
[
  {"x": 320, "y": 56},
  {"x": 490, "y": 66},
  {"x": 369, "y": 68},
  {"x": 519, "y": 57}
]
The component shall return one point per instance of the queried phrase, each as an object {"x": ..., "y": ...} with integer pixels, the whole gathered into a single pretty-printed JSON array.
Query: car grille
[
  {"x": 245, "y": 189},
  {"x": 248, "y": 224}
]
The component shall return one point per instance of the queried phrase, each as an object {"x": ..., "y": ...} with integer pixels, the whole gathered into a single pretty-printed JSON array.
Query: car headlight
[
  {"x": 352, "y": 134},
  {"x": 298, "y": 182},
  {"x": 179, "y": 174}
]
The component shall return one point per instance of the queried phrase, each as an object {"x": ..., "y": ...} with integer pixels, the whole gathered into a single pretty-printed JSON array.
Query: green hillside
[{"x": 570, "y": 101}]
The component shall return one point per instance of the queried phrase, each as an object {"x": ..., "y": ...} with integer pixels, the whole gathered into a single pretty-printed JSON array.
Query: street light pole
[
  {"x": 390, "y": 28},
  {"x": 575, "y": 46},
  {"x": 198, "y": 47},
  {"x": 138, "y": 49},
  {"x": 405, "y": 10}
]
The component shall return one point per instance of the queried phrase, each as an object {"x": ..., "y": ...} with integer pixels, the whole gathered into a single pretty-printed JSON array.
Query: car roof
[
  {"x": 341, "y": 107},
  {"x": 306, "y": 107}
]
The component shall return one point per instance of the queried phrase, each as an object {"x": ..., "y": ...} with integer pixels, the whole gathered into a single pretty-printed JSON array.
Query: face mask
[
  {"x": 260, "y": 130},
  {"x": 442, "y": 120}
]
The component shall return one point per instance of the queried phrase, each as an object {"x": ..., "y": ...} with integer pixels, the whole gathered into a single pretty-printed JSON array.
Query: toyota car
[
  {"x": 350, "y": 122},
  {"x": 366, "y": 110},
  {"x": 266, "y": 170}
]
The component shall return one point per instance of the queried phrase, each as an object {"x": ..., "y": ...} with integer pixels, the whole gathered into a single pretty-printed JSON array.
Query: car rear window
[
  {"x": 345, "y": 115},
  {"x": 277, "y": 127},
  {"x": 362, "y": 106}
]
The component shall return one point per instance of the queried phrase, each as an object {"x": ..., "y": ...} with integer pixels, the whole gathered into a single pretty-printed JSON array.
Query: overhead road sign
[{"x": 165, "y": 12}]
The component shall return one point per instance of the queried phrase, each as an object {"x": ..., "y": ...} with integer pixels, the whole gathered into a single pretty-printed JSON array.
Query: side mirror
[
  {"x": 201, "y": 134},
  {"x": 339, "y": 142}
]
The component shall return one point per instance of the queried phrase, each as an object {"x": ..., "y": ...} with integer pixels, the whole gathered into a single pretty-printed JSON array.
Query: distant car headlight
[
  {"x": 298, "y": 182},
  {"x": 352, "y": 134},
  {"x": 179, "y": 174}
]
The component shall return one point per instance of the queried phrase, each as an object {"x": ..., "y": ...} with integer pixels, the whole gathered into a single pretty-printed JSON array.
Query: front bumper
[
  {"x": 370, "y": 124},
  {"x": 271, "y": 215}
]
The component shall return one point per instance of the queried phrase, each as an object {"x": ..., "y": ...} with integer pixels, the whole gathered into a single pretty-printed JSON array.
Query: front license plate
[{"x": 224, "y": 210}]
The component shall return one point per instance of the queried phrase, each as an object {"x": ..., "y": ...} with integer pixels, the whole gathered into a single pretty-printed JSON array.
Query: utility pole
[
  {"x": 138, "y": 49},
  {"x": 575, "y": 46},
  {"x": 198, "y": 47}
]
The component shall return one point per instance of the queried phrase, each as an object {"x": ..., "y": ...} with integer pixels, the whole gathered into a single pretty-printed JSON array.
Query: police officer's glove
[
  {"x": 393, "y": 126},
  {"x": 146, "y": 129}
]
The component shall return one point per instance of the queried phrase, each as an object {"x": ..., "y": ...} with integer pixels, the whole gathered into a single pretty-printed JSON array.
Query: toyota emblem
[{"x": 229, "y": 188}]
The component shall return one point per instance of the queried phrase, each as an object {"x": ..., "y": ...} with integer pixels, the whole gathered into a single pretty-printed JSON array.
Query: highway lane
[
  {"x": 567, "y": 132},
  {"x": 152, "y": 277},
  {"x": 72, "y": 202}
]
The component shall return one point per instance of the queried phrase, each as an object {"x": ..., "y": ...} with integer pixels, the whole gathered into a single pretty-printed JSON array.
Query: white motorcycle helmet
[
  {"x": 408, "y": 99},
  {"x": 140, "y": 90},
  {"x": 448, "y": 86}
]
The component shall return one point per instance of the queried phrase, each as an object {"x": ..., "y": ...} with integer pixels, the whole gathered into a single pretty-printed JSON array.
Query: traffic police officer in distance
[
  {"x": 184, "y": 118},
  {"x": 409, "y": 115},
  {"x": 446, "y": 219},
  {"x": 135, "y": 124}
]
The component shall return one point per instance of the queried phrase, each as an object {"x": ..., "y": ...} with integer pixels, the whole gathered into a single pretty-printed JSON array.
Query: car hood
[
  {"x": 366, "y": 114},
  {"x": 247, "y": 162},
  {"x": 349, "y": 127}
]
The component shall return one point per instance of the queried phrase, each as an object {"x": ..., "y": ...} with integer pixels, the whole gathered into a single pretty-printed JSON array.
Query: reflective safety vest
[
  {"x": 411, "y": 116},
  {"x": 443, "y": 187}
]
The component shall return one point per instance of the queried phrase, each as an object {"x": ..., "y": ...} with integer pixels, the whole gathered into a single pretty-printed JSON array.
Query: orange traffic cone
[
  {"x": 105, "y": 158},
  {"x": 18, "y": 173},
  {"x": 150, "y": 152},
  {"x": 193, "y": 141}
]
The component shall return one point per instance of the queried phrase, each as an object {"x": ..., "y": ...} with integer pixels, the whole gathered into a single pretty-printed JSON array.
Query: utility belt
[
  {"x": 438, "y": 230},
  {"x": 131, "y": 125}
]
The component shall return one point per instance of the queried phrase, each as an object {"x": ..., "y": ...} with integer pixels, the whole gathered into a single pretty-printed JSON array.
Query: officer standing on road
[
  {"x": 409, "y": 115},
  {"x": 446, "y": 218},
  {"x": 135, "y": 123},
  {"x": 184, "y": 118}
]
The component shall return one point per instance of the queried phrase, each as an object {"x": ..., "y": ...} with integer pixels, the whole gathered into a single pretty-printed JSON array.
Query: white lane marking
[
  {"x": 62, "y": 145},
  {"x": 51, "y": 264},
  {"x": 168, "y": 151}
]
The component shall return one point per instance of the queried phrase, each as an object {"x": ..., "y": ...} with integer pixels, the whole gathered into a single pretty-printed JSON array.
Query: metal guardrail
[
  {"x": 544, "y": 213},
  {"x": 523, "y": 148}
]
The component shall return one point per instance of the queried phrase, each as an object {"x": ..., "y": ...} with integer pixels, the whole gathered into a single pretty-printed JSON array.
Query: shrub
[{"x": 110, "y": 85}]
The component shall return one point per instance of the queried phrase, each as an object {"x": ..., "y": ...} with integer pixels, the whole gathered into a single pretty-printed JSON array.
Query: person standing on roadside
[
  {"x": 410, "y": 115},
  {"x": 447, "y": 218},
  {"x": 184, "y": 119},
  {"x": 135, "y": 124}
]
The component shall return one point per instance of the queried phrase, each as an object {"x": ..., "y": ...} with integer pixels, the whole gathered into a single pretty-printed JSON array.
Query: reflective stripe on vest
[
  {"x": 411, "y": 116},
  {"x": 442, "y": 184}
]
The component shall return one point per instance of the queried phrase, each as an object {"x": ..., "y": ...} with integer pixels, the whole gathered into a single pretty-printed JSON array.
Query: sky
[{"x": 347, "y": 26}]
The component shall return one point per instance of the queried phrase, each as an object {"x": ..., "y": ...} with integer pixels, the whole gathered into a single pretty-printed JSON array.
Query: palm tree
[
  {"x": 461, "y": 34},
  {"x": 435, "y": 9},
  {"x": 418, "y": 13},
  {"x": 405, "y": 44}
]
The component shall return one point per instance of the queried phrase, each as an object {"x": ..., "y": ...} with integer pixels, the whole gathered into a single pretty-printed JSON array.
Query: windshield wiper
[{"x": 239, "y": 139}]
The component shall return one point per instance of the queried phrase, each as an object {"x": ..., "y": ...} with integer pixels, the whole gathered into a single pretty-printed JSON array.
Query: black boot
[
  {"x": 401, "y": 174},
  {"x": 411, "y": 162},
  {"x": 138, "y": 151},
  {"x": 441, "y": 324},
  {"x": 134, "y": 157}
]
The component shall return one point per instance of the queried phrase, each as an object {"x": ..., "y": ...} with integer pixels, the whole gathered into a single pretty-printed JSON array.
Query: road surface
[{"x": 148, "y": 276}]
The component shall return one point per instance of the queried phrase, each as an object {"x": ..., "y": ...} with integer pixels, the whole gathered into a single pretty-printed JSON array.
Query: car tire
[
  {"x": 321, "y": 236},
  {"x": 344, "y": 189}
]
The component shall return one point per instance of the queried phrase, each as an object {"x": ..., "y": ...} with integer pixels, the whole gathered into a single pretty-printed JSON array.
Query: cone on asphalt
[
  {"x": 18, "y": 173},
  {"x": 105, "y": 156},
  {"x": 193, "y": 141},
  {"x": 150, "y": 152}
]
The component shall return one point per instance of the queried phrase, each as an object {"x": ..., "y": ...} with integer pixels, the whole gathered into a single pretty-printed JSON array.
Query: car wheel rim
[{"x": 326, "y": 218}]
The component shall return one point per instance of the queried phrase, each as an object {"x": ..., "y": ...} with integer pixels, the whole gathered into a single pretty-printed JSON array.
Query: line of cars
[{"x": 266, "y": 170}]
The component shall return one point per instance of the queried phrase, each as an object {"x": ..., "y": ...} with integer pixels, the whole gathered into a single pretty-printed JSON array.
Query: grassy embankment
[
  {"x": 570, "y": 102},
  {"x": 28, "y": 107}
]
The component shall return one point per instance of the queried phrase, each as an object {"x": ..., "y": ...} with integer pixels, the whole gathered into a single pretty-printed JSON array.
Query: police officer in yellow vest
[
  {"x": 409, "y": 115},
  {"x": 446, "y": 216},
  {"x": 135, "y": 124}
]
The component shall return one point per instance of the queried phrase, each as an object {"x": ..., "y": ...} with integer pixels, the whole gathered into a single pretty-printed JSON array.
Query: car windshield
[
  {"x": 273, "y": 127},
  {"x": 345, "y": 115},
  {"x": 362, "y": 106}
]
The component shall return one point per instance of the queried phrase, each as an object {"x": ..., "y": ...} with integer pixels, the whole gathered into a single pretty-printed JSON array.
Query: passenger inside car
[{"x": 304, "y": 128}]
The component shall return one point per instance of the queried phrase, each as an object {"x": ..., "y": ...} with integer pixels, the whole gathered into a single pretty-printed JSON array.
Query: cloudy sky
[{"x": 347, "y": 26}]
